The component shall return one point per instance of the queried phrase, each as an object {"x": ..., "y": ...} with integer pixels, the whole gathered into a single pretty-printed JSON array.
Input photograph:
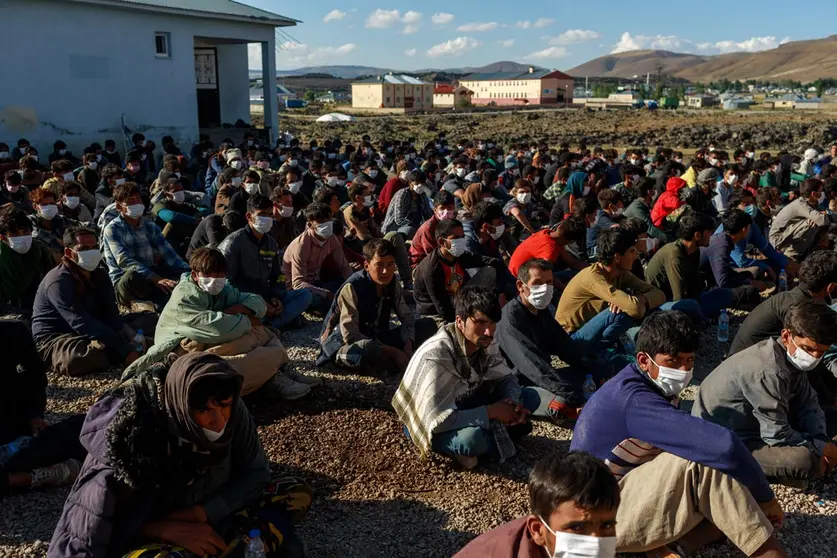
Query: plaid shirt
[
  {"x": 554, "y": 191},
  {"x": 140, "y": 249}
]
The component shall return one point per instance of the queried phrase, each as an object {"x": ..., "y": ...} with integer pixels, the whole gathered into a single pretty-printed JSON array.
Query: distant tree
[
  {"x": 700, "y": 88},
  {"x": 464, "y": 103},
  {"x": 310, "y": 96}
]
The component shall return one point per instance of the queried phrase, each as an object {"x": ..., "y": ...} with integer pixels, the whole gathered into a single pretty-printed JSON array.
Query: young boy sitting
[
  {"x": 573, "y": 500},
  {"x": 356, "y": 330},
  {"x": 675, "y": 471}
]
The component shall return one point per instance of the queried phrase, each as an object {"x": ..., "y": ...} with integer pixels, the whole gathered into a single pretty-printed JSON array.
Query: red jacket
[
  {"x": 387, "y": 192},
  {"x": 424, "y": 241},
  {"x": 668, "y": 201}
]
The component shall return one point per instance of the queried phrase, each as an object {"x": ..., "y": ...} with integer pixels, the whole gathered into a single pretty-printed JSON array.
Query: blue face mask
[{"x": 751, "y": 210}]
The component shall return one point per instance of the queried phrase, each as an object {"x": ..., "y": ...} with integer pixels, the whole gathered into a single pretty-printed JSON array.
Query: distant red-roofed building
[{"x": 446, "y": 95}]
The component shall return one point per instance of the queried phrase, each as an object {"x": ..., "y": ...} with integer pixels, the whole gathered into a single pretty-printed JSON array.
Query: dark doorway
[{"x": 206, "y": 81}]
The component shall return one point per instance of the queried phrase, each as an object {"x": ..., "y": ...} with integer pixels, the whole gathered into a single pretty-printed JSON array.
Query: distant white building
[
  {"x": 165, "y": 67},
  {"x": 392, "y": 92}
]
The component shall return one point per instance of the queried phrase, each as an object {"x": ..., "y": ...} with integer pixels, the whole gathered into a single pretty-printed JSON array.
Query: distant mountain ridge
[
  {"x": 353, "y": 72},
  {"x": 803, "y": 61}
]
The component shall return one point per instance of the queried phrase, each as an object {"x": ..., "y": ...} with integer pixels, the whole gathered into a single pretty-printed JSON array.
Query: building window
[
  {"x": 162, "y": 43},
  {"x": 387, "y": 100}
]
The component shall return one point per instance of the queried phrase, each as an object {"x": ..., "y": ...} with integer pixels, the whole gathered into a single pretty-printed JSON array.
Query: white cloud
[
  {"x": 508, "y": 43},
  {"x": 410, "y": 29},
  {"x": 572, "y": 36},
  {"x": 442, "y": 18},
  {"x": 381, "y": 19},
  {"x": 412, "y": 17},
  {"x": 753, "y": 44},
  {"x": 657, "y": 42},
  {"x": 411, "y": 52},
  {"x": 300, "y": 54},
  {"x": 548, "y": 53},
  {"x": 543, "y": 22},
  {"x": 523, "y": 24},
  {"x": 334, "y": 15},
  {"x": 453, "y": 47},
  {"x": 477, "y": 27},
  {"x": 626, "y": 43}
]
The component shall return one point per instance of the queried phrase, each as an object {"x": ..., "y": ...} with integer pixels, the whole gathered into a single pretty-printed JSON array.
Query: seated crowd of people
[{"x": 499, "y": 284}]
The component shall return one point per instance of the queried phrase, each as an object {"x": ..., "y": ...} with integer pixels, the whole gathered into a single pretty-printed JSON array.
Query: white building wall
[{"x": 75, "y": 85}]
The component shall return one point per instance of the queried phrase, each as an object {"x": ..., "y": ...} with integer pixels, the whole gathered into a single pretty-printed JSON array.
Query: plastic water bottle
[
  {"x": 139, "y": 341},
  {"x": 10, "y": 449},
  {"x": 588, "y": 387},
  {"x": 723, "y": 327},
  {"x": 255, "y": 546},
  {"x": 783, "y": 281}
]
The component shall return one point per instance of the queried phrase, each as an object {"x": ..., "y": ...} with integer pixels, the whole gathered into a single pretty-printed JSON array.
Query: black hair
[
  {"x": 693, "y": 222},
  {"x": 208, "y": 260},
  {"x": 71, "y": 235},
  {"x": 212, "y": 389},
  {"x": 233, "y": 221},
  {"x": 445, "y": 228},
  {"x": 124, "y": 191},
  {"x": 355, "y": 190},
  {"x": 573, "y": 228},
  {"x": 573, "y": 477},
  {"x": 667, "y": 333},
  {"x": 812, "y": 320},
  {"x": 809, "y": 187},
  {"x": 324, "y": 195},
  {"x": 613, "y": 241},
  {"x": 608, "y": 196},
  {"x": 418, "y": 177},
  {"x": 472, "y": 299},
  {"x": 584, "y": 207},
  {"x": 735, "y": 220},
  {"x": 525, "y": 270},
  {"x": 13, "y": 220},
  {"x": 818, "y": 270},
  {"x": 378, "y": 247},
  {"x": 738, "y": 198},
  {"x": 443, "y": 197},
  {"x": 484, "y": 212},
  {"x": 317, "y": 212},
  {"x": 634, "y": 226},
  {"x": 13, "y": 177},
  {"x": 258, "y": 202}
]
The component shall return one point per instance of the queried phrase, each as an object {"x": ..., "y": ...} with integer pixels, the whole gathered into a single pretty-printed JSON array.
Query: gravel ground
[{"x": 369, "y": 483}]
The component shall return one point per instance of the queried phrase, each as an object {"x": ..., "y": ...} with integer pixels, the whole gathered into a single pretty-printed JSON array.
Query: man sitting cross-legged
[
  {"x": 458, "y": 397},
  {"x": 763, "y": 395},
  {"x": 356, "y": 331},
  {"x": 573, "y": 500},
  {"x": 207, "y": 313},
  {"x": 676, "y": 472}
]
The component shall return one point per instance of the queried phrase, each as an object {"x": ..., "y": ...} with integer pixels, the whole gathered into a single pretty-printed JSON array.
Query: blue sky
[{"x": 549, "y": 33}]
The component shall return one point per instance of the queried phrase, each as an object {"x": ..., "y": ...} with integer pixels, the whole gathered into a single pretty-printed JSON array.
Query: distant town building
[
  {"x": 445, "y": 95},
  {"x": 701, "y": 101},
  {"x": 738, "y": 104},
  {"x": 533, "y": 87},
  {"x": 392, "y": 92}
]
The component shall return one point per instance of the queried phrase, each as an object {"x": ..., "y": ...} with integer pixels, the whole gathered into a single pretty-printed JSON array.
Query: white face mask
[
  {"x": 373, "y": 173},
  {"x": 251, "y": 188},
  {"x": 537, "y": 180},
  {"x": 650, "y": 244},
  {"x": 334, "y": 181},
  {"x": 20, "y": 244},
  {"x": 212, "y": 285},
  {"x": 405, "y": 175},
  {"x": 48, "y": 212},
  {"x": 178, "y": 197},
  {"x": 12, "y": 188},
  {"x": 443, "y": 214},
  {"x": 213, "y": 436},
  {"x": 458, "y": 247},
  {"x": 524, "y": 198},
  {"x": 135, "y": 211},
  {"x": 618, "y": 211},
  {"x": 540, "y": 296},
  {"x": 368, "y": 201},
  {"x": 803, "y": 360},
  {"x": 72, "y": 201},
  {"x": 263, "y": 224},
  {"x": 732, "y": 179},
  {"x": 571, "y": 545},
  {"x": 88, "y": 259},
  {"x": 293, "y": 162},
  {"x": 418, "y": 188},
  {"x": 68, "y": 177},
  {"x": 93, "y": 165},
  {"x": 237, "y": 165},
  {"x": 498, "y": 232},
  {"x": 325, "y": 230},
  {"x": 460, "y": 171},
  {"x": 585, "y": 191},
  {"x": 62, "y": 152},
  {"x": 264, "y": 165},
  {"x": 671, "y": 381},
  {"x": 4, "y": 154},
  {"x": 287, "y": 211},
  {"x": 295, "y": 186},
  {"x": 120, "y": 181}
]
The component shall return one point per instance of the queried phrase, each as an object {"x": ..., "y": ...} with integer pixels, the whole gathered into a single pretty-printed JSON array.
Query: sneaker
[
  {"x": 60, "y": 474},
  {"x": 466, "y": 462},
  {"x": 288, "y": 389},
  {"x": 302, "y": 378}
]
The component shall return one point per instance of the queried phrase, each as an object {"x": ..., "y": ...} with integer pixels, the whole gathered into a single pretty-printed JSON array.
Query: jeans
[
  {"x": 474, "y": 441},
  {"x": 321, "y": 304},
  {"x": 603, "y": 331},
  {"x": 709, "y": 306},
  {"x": 294, "y": 304},
  {"x": 408, "y": 231}
]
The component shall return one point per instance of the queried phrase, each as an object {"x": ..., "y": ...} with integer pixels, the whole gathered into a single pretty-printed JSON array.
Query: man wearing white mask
[
  {"x": 76, "y": 324},
  {"x": 611, "y": 207},
  {"x": 23, "y": 263},
  {"x": 573, "y": 502},
  {"x": 141, "y": 263},
  {"x": 70, "y": 206},
  {"x": 304, "y": 259},
  {"x": 675, "y": 471},
  {"x": 175, "y": 216},
  {"x": 763, "y": 395},
  {"x": 529, "y": 337},
  {"x": 410, "y": 207},
  {"x": 48, "y": 225}
]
